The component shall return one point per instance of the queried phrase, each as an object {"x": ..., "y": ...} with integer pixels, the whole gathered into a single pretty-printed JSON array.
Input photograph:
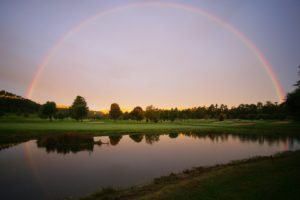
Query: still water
[{"x": 58, "y": 167}]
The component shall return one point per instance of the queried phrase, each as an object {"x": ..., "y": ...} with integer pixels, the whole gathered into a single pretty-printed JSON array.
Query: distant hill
[
  {"x": 12, "y": 103},
  {"x": 4, "y": 93}
]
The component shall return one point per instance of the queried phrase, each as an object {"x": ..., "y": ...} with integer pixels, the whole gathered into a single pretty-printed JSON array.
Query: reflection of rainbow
[
  {"x": 31, "y": 164},
  {"x": 266, "y": 65}
]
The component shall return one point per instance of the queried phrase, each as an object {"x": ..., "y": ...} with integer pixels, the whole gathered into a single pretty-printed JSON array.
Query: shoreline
[{"x": 203, "y": 181}]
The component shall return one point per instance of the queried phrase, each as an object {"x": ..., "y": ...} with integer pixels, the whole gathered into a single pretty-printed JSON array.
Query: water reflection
[
  {"x": 7, "y": 145},
  {"x": 136, "y": 137},
  {"x": 115, "y": 139},
  {"x": 66, "y": 143},
  {"x": 173, "y": 135},
  {"x": 151, "y": 138},
  {"x": 270, "y": 140},
  {"x": 119, "y": 161},
  {"x": 74, "y": 143}
]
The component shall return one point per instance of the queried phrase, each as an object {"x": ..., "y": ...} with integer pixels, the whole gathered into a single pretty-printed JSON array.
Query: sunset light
[{"x": 149, "y": 99}]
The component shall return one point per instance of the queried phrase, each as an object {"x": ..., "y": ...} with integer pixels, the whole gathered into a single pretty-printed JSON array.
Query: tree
[
  {"x": 222, "y": 117},
  {"x": 79, "y": 109},
  {"x": 48, "y": 110},
  {"x": 293, "y": 101},
  {"x": 152, "y": 114},
  {"x": 173, "y": 114},
  {"x": 115, "y": 111},
  {"x": 61, "y": 113},
  {"x": 298, "y": 82},
  {"x": 137, "y": 113},
  {"x": 126, "y": 116}
]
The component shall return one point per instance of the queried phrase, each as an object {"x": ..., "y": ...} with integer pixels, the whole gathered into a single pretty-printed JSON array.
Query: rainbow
[{"x": 245, "y": 40}]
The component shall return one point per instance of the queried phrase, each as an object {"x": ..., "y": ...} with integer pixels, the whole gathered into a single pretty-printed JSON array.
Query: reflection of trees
[
  {"x": 137, "y": 137},
  {"x": 173, "y": 135},
  {"x": 66, "y": 143},
  {"x": 151, "y": 138},
  {"x": 223, "y": 137},
  {"x": 115, "y": 139},
  {"x": 5, "y": 146},
  {"x": 10, "y": 140}
]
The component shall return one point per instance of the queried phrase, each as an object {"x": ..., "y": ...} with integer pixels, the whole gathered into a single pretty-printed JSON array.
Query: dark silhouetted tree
[
  {"x": 173, "y": 114},
  {"x": 221, "y": 117},
  {"x": 115, "y": 111},
  {"x": 48, "y": 110},
  {"x": 293, "y": 101},
  {"x": 137, "y": 113},
  {"x": 61, "y": 113},
  {"x": 126, "y": 116},
  {"x": 152, "y": 114},
  {"x": 79, "y": 109}
]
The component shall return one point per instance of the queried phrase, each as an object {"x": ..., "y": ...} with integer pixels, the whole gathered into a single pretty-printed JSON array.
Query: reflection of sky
[
  {"x": 127, "y": 163},
  {"x": 148, "y": 55}
]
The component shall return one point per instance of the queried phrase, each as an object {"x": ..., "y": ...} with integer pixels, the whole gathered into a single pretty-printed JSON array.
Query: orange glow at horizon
[{"x": 133, "y": 68}]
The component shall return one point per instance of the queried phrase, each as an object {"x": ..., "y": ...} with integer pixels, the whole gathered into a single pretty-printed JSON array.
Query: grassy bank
[{"x": 273, "y": 177}]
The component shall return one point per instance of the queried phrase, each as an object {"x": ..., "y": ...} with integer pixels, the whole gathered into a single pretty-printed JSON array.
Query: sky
[{"x": 139, "y": 53}]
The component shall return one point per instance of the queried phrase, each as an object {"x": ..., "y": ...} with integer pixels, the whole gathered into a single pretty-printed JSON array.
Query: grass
[
  {"x": 27, "y": 125},
  {"x": 14, "y": 128},
  {"x": 272, "y": 177}
]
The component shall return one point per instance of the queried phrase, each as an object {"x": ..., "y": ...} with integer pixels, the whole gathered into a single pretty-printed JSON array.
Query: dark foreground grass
[{"x": 273, "y": 177}]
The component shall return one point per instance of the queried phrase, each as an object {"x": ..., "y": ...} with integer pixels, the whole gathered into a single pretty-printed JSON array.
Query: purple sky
[{"x": 145, "y": 55}]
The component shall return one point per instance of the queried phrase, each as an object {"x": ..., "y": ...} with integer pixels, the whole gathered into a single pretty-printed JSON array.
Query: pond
[{"x": 55, "y": 167}]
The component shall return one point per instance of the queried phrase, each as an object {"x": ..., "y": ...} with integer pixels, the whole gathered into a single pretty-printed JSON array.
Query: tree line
[
  {"x": 79, "y": 111},
  {"x": 290, "y": 109}
]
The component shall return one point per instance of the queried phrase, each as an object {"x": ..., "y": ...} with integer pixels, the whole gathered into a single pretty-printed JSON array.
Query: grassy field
[
  {"x": 273, "y": 177},
  {"x": 21, "y": 124},
  {"x": 14, "y": 128}
]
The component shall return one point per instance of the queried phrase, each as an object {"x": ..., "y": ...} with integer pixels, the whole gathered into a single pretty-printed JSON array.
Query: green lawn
[
  {"x": 8, "y": 125},
  {"x": 14, "y": 129},
  {"x": 275, "y": 177}
]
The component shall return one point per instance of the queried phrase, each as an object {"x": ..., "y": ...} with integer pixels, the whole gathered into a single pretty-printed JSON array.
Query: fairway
[
  {"x": 18, "y": 129},
  {"x": 103, "y": 127}
]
